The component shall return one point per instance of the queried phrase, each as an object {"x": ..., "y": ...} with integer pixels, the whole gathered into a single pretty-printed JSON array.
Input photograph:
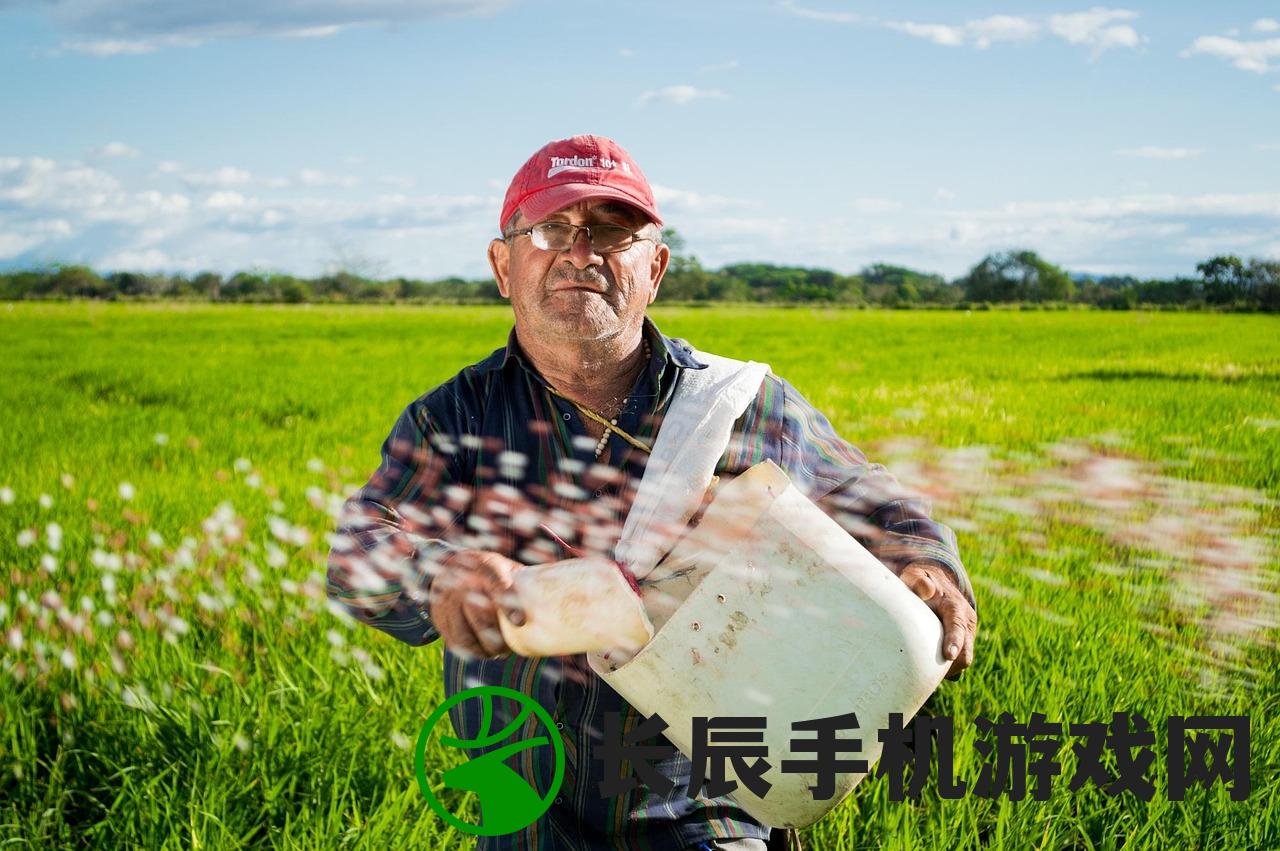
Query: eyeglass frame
[{"x": 635, "y": 236}]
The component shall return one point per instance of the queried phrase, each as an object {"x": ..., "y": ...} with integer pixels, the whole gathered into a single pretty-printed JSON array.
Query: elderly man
[{"x": 554, "y": 431}]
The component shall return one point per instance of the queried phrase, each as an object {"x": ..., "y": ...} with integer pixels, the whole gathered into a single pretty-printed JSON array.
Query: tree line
[{"x": 1007, "y": 277}]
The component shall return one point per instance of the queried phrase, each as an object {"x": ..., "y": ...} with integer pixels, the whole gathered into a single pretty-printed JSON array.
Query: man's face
[{"x": 577, "y": 294}]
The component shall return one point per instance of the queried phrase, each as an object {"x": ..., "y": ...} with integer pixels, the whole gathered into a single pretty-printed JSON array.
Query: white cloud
[
  {"x": 224, "y": 200},
  {"x": 114, "y": 151},
  {"x": 680, "y": 95},
  {"x": 116, "y": 27},
  {"x": 43, "y": 183},
  {"x": 1096, "y": 28},
  {"x": 1154, "y": 152},
  {"x": 937, "y": 33},
  {"x": 129, "y": 46},
  {"x": 728, "y": 65},
  {"x": 1265, "y": 204},
  {"x": 225, "y": 176},
  {"x": 1148, "y": 234},
  {"x": 626, "y": 52},
  {"x": 145, "y": 260},
  {"x": 987, "y": 31},
  {"x": 314, "y": 32},
  {"x": 1266, "y": 25},
  {"x": 1252, "y": 56},
  {"x": 944, "y": 194},
  {"x": 684, "y": 201},
  {"x": 820, "y": 15},
  {"x": 315, "y": 177},
  {"x": 872, "y": 206},
  {"x": 69, "y": 212}
]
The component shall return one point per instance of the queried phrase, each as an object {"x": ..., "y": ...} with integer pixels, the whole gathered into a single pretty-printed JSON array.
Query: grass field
[{"x": 171, "y": 676}]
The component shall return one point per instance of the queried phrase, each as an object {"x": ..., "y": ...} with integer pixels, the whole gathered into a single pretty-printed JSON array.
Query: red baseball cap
[{"x": 570, "y": 170}]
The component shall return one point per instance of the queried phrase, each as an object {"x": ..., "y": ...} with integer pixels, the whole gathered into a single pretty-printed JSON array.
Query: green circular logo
[{"x": 507, "y": 802}]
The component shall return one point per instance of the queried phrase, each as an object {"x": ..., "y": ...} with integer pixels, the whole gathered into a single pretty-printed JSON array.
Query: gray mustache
[{"x": 583, "y": 277}]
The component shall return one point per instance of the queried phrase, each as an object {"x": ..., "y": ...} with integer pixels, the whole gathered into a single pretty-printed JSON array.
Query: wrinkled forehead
[{"x": 603, "y": 209}]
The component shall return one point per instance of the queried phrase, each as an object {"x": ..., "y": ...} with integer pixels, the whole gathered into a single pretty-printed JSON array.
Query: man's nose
[{"x": 581, "y": 254}]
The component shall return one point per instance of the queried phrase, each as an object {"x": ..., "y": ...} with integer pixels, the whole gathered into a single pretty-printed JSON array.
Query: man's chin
[{"x": 579, "y": 326}]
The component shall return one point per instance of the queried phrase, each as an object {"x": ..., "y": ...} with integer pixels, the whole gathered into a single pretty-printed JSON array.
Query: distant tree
[
  {"x": 1264, "y": 281},
  {"x": 685, "y": 279},
  {"x": 1017, "y": 276},
  {"x": 208, "y": 284},
  {"x": 244, "y": 286},
  {"x": 1225, "y": 279},
  {"x": 886, "y": 284},
  {"x": 78, "y": 281},
  {"x": 294, "y": 291}
]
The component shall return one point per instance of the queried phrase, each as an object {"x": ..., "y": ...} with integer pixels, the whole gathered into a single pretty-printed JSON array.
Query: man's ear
[
  {"x": 499, "y": 262},
  {"x": 658, "y": 267}
]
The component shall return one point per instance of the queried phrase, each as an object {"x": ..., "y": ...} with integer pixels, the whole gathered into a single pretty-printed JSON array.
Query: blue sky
[{"x": 381, "y": 134}]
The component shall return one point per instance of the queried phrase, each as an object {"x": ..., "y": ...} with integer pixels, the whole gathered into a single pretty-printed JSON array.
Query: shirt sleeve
[
  {"x": 864, "y": 498},
  {"x": 390, "y": 537}
]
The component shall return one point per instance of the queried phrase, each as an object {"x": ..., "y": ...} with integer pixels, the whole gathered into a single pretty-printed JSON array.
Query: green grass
[{"x": 250, "y": 726}]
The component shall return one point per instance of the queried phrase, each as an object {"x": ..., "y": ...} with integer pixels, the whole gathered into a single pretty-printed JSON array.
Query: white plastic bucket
[{"x": 769, "y": 608}]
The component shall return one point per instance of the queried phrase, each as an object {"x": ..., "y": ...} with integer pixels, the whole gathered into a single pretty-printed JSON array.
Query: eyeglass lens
[{"x": 559, "y": 236}]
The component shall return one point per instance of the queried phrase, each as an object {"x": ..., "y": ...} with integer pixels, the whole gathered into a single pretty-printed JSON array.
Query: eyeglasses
[{"x": 560, "y": 236}]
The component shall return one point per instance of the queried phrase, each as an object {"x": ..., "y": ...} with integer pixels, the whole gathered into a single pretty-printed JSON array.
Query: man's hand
[
  {"x": 937, "y": 587},
  {"x": 465, "y": 596}
]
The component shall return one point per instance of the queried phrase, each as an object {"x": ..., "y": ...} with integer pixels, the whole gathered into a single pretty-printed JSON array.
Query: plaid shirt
[{"x": 485, "y": 458}]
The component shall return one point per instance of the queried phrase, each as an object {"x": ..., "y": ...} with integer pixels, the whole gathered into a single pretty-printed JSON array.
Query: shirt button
[
  {"x": 599, "y": 492},
  {"x": 559, "y": 800},
  {"x": 559, "y": 725}
]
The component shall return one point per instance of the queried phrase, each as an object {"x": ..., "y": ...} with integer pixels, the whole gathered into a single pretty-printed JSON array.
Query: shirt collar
[{"x": 674, "y": 349}]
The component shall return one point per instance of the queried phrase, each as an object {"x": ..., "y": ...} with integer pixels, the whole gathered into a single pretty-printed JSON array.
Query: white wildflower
[
  {"x": 68, "y": 659},
  {"x": 49, "y": 563},
  {"x": 241, "y": 743},
  {"x": 253, "y": 480},
  {"x": 208, "y": 603},
  {"x": 53, "y": 536},
  {"x": 243, "y": 465},
  {"x": 6, "y": 495},
  {"x": 315, "y": 465},
  {"x": 161, "y": 438},
  {"x": 275, "y": 556},
  {"x": 105, "y": 561},
  {"x": 127, "y": 491},
  {"x": 68, "y": 481},
  {"x": 26, "y": 538},
  {"x": 46, "y": 501}
]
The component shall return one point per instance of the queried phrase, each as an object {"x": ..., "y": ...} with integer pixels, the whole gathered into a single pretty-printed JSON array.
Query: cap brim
[{"x": 541, "y": 204}]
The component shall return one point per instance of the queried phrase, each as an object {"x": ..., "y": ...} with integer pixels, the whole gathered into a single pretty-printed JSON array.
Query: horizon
[{"x": 1129, "y": 141}]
